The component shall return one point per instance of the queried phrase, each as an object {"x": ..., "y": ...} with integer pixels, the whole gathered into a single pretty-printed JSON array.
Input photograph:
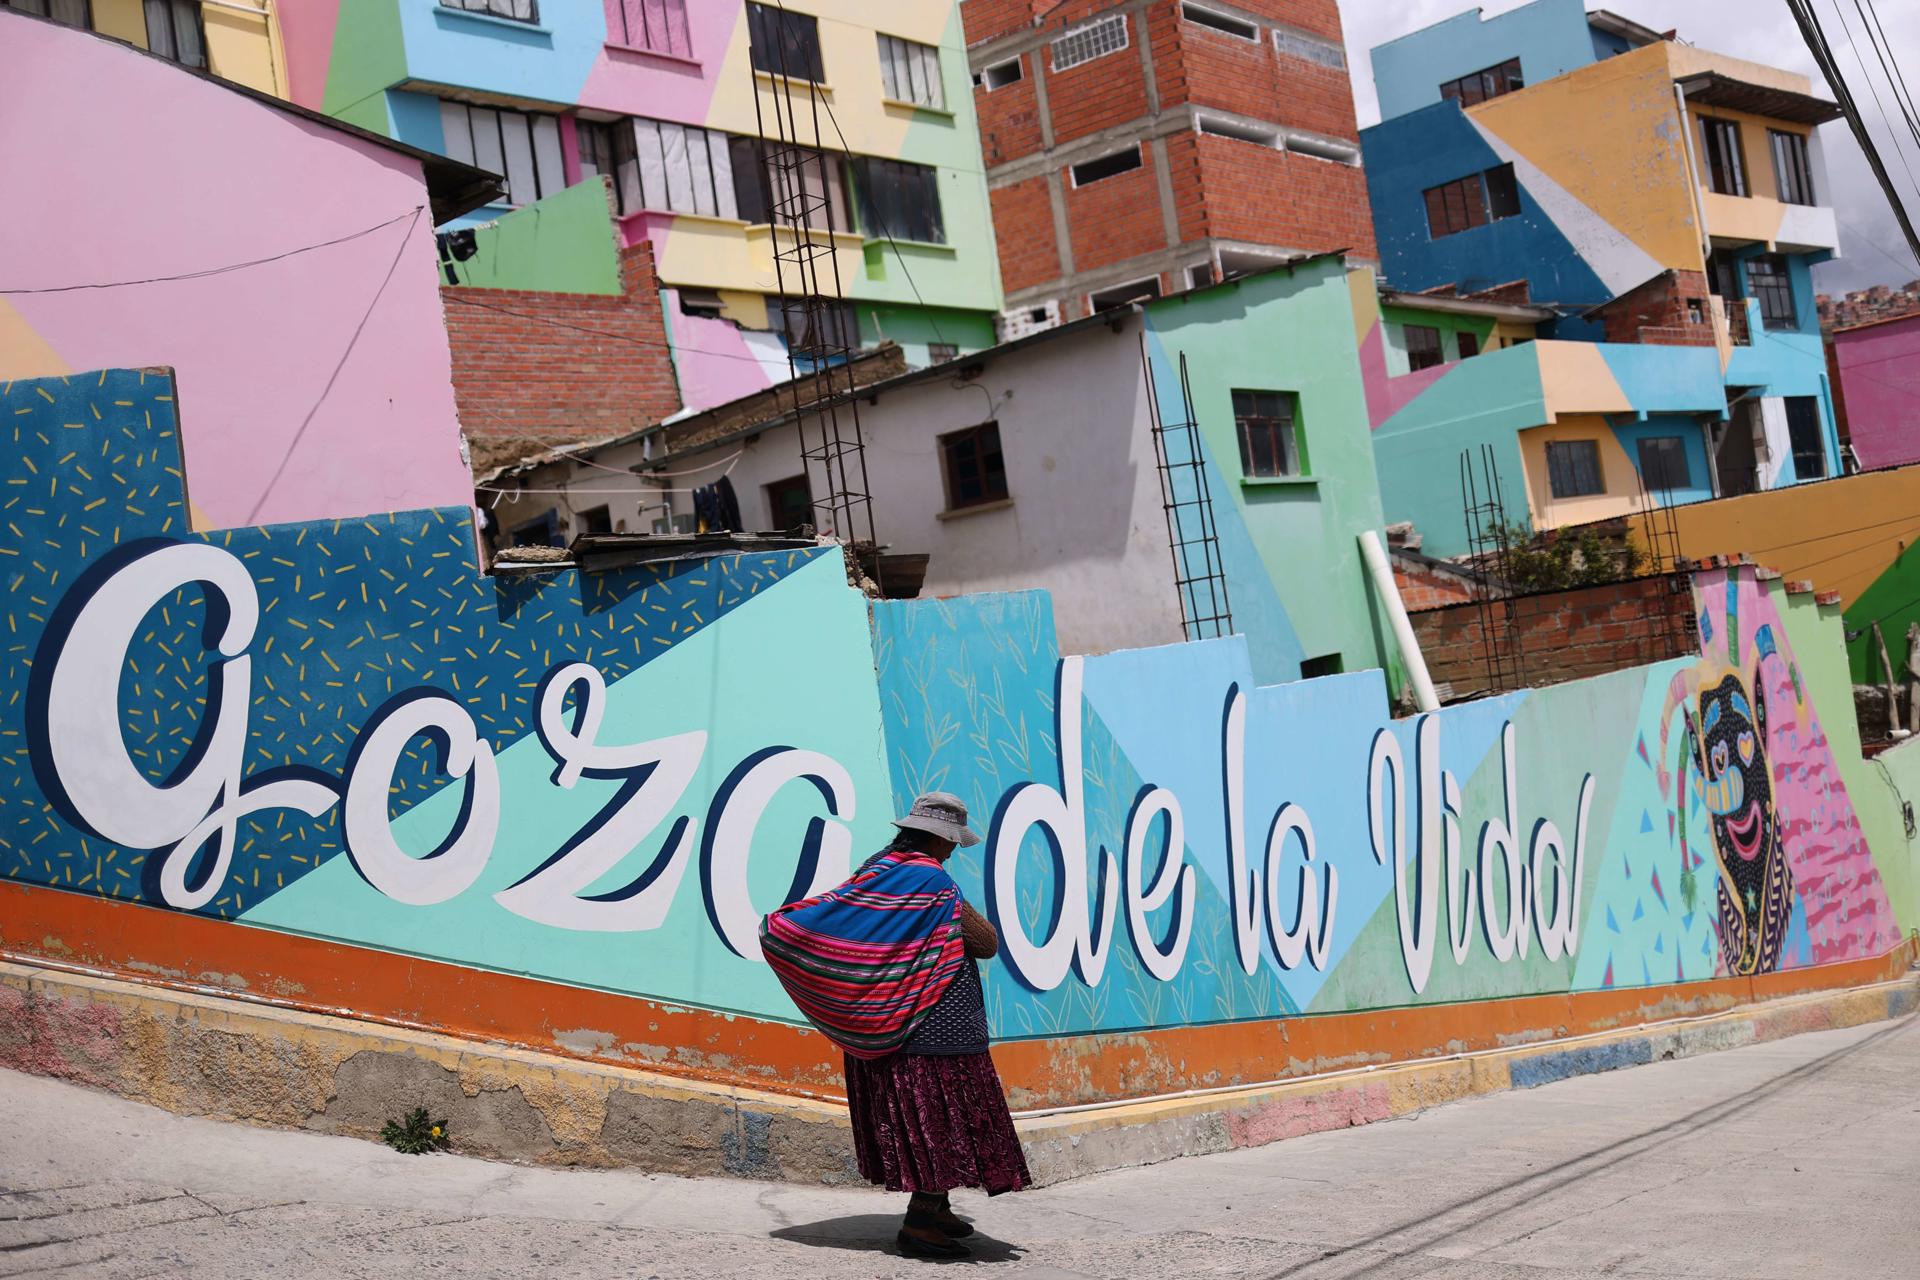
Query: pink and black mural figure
[
  {"x": 1755, "y": 760},
  {"x": 1727, "y": 740}
]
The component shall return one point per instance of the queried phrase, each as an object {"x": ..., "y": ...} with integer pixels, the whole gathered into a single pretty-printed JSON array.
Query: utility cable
[
  {"x": 1886, "y": 118},
  {"x": 202, "y": 274}
]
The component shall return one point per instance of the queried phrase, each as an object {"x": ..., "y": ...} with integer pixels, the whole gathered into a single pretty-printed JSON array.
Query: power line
[
  {"x": 1889, "y": 65},
  {"x": 223, "y": 270},
  {"x": 1809, "y": 24},
  {"x": 354, "y": 341},
  {"x": 1886, "y": 118}
]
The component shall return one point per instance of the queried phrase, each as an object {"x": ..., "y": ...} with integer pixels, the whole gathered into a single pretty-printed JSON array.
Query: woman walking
[{"x": 886, "y": 966}]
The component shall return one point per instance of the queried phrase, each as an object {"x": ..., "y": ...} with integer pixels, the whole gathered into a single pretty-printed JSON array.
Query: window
[
  {"x": 658, "y": 26},
  {"x": 1503, "y": 193},
  {"x": 910, "y": 72},
  {"x": 1481, "y": 85},
  {"x": 1663, "y": 464},
  {"x": 775, "y": 181},
  {"x": 1456, "y": 206},
  {"x": 1094, "y": 40},
  {"x": 1792, "y": 174},
  {"x": 1298, "y": 44},
  {"x": 1468, "y": 344},
  {"x": 1726, "y": 166},
  {"x": 1423, "y": 347},
  {"x": 827, "y": 330},
  {"x": 900, "y": 200},
  {"x": 1122, "y": 294},
  {"x": 1199, "y": 275},
  {"x": 609, "y": 149},
  {"x": 593, "y": 520},
  {"x": 523, "y": 148},
  {"x": 1327, "y": 664},
  {"x": 941, "y": 352},
  {"x": 1767, "y": 278},
  {"x": 1203, "y": 17},
  {"x": 790, "y": 503},
  {"x": 517, "y": 10},
  {"x": 1803, "y": 431},
  {"x": 1472, "y": 201},
  {"x": 1723, "y": 276},
  {"x": 1573, "y": 468},
  {"x": 976, "y": 473},
  {"x": 1106, "y": 166},
  {"x": 541, "y": 531},
  {"x": 174, "y": 31},
  {"x": 1000, "y": 75},
  {"x": 74, "y": 13},
  {"x": 1264, "y": 421},
  {"x": 785, "y": 43}
]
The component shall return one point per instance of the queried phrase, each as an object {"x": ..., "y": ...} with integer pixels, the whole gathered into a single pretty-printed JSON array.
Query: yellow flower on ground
[{"x": 436, "y": 1131}]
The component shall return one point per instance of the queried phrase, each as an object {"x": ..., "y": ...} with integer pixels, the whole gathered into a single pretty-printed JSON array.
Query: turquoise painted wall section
[
  {"x": 1550, "y": 37},
  {"x": 1487, "y": 400},
  {"x": 603, "y": 780},
  {"x": 1288, "y": 331}
]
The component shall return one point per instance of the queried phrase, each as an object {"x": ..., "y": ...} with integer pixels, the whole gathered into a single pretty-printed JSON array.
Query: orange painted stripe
[{"x": 173, "y": 949}]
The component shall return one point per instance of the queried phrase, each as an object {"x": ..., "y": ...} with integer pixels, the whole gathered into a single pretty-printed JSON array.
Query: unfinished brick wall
[
  {"x": 1423, "y": 588},
  {"x": 1566, "y": 635},
  {"x": 532, "y": 369},
  {"x": 1223, "y": 189},
  {"x": 1661, "y": 312}
]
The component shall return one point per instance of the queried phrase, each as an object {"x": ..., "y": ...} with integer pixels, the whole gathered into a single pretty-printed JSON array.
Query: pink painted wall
[
  {"x": 132, "y": 168},
  {"x": 1880, "y": 378}
]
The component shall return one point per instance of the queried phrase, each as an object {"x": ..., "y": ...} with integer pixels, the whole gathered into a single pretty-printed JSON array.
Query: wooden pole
[{"x": 1893, "y": 702}]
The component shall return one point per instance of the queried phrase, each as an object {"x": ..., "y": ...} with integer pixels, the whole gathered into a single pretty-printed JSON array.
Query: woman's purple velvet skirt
[{"x": 932, "y": 1122}]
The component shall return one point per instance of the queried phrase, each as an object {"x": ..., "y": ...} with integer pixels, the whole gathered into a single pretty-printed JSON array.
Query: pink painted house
[
  {"x": 1876, "y": 371},
  {"x": 282, "y": 263}
]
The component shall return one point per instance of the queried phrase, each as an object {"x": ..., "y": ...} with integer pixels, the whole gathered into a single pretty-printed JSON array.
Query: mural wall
[{"x": 340, "y": 730}]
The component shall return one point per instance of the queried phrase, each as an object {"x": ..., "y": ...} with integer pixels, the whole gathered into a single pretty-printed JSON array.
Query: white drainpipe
[{"x": 1382, "y": 574}]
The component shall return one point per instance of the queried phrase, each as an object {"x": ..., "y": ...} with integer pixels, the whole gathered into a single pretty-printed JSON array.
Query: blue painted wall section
[
  {"x": 1437, "y": 144},
  {"x": 1550, "y": 37}
]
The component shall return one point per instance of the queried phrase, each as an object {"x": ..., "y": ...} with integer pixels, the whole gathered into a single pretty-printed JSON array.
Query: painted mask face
[{"x": 1736, "y": 789}]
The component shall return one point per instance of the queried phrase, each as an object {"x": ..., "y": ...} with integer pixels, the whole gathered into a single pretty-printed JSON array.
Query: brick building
[{"x": 1141, "y": 148}]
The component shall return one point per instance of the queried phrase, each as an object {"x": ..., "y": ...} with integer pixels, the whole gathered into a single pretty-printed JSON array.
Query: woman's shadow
[{"x": 874, "y": 1233}]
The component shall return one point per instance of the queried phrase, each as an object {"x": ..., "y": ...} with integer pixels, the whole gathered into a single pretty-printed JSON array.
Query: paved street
[{"x": 1792, "y": 1159}]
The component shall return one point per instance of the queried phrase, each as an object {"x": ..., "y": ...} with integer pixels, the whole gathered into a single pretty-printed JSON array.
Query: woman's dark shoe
[
  {"x": 915, "y": 1247},
  {"x": 928, "y": 1221}
]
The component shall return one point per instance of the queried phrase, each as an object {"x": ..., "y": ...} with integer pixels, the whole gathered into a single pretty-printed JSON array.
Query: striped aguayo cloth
[{"x": 868, "y": 960}]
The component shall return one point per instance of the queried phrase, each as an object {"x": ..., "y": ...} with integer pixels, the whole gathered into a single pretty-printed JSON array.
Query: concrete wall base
[{"x": 205, "y": 1055}]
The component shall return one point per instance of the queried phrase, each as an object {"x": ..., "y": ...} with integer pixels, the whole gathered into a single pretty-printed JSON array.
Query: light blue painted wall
[
  {"x": 1789, "y": 362},
  {"x": 546, "y": 62},
  {"x": 1550, "y": 37},
  {"x": 1700, "y": 484}
]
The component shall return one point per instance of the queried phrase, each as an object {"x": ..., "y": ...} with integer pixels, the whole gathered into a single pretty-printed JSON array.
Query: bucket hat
[{"x": 942, "y": 814}]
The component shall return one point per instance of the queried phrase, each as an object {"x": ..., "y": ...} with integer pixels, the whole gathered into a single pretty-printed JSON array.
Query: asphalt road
[{"x": 1799, "y": 1158}]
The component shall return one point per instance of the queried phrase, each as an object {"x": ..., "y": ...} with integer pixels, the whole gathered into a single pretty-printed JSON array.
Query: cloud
[{"x": 1872, "y": 247}]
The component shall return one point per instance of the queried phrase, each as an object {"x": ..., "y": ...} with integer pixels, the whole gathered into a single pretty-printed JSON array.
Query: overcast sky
[{"x": 1873, "y": 250}]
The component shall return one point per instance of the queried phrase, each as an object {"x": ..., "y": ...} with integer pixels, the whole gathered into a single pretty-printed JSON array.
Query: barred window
[
  {"x": 1573, "y": 468},
  {"x": 910, "y": 72},
  {"x": 1298, "y": 44},
  {"x": 1094, "y": 40},
  {"x": 1425, "y": 348},
  {"x": 1768, "y": 281}
]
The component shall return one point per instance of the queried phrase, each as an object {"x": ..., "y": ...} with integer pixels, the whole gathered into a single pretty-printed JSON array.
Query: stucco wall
[
  {"x": 330, "y": 364},
  {"x": 1550, "y": 37}
]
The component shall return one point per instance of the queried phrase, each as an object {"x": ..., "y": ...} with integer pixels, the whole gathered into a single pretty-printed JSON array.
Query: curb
[{"x": 204, "y": 1055}]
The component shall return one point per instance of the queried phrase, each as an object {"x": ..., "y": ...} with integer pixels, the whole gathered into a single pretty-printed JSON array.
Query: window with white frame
[
  {"x": 1298, "y": 44},
  {"x": 513, "y": 10},
  {"x": 175, "y": 33},
  {"x": 1094, "y": 40},
  {"x": 658, "y": 26},
  {"x": 1000, "y": 75},
  {"x": 523, "y": 148},
  {"x": 910, "y": 72}
]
